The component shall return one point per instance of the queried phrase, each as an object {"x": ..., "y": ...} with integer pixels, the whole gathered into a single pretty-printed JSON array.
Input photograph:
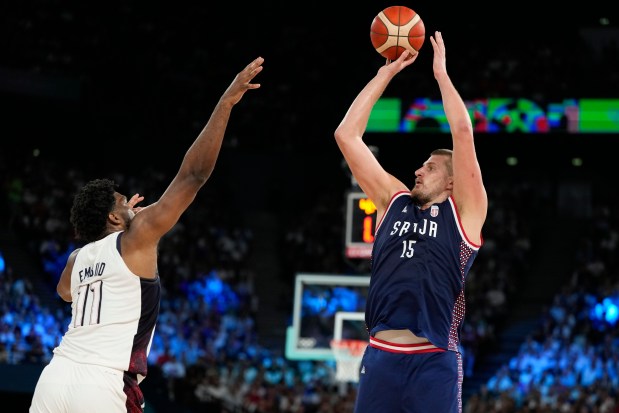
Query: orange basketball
[{"x": 395, "y": 29}]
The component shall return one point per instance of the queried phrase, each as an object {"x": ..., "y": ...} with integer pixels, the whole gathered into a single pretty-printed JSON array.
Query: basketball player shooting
[{"x": 426, "y": 240}]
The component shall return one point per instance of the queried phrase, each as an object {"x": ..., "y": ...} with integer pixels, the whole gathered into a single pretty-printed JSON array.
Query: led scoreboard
[{"x": 360, "y": 225}]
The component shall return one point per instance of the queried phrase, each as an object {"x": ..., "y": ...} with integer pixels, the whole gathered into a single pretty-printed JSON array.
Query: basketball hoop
[{"x": 348, "y": 354}]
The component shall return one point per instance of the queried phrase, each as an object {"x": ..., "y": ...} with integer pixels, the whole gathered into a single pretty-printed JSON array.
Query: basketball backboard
[{"x": 325, "y": 305}]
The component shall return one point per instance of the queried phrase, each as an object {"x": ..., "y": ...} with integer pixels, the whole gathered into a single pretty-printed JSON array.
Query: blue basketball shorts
[{"x": 409, "y": 378}]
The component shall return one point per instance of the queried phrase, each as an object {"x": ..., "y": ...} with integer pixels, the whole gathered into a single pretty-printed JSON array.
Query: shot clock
[{"x": 360, "y": 225}]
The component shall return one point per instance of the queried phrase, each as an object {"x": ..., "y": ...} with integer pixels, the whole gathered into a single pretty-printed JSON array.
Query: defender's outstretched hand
[{"x": 242, "y": 82}]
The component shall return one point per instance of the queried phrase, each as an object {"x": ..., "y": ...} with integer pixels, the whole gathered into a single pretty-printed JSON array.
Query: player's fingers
[
  {"x": 411, "y": 59},
  {"x": 135, "y": 199},
  {"x": 256, "y": 63},
  {"x": 439, "y": 38},
  {"x": 404, "y": 56}
]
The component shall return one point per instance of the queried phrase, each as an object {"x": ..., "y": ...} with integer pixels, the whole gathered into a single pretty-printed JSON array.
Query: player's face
[{"x": 431, "y": 180}]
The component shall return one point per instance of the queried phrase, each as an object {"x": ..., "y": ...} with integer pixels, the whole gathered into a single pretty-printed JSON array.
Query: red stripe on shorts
[{"x": 404, "y": 348}]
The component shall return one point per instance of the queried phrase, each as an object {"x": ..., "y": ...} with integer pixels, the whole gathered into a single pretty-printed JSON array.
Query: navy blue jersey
[{"x": 420, "y": 260}]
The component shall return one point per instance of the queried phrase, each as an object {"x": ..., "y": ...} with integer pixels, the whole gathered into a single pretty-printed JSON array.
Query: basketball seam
[
  {"x": 395, "y": 31},
  {"x": 390, "y": 28}
]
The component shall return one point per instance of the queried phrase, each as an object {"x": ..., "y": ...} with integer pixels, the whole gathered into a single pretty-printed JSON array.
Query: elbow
[
  {"x": 338, "y": 135},
  {"x": 341, "y": 134},
  {"x": 200, "y": 179},
  {"x": 463, "y": 127},
  {"x": 64, "y": 294},
  {"x": 195, "y": 177}
]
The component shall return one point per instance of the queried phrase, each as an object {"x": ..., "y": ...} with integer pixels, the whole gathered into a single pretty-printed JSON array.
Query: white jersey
[{"x": 114, "y": 312}]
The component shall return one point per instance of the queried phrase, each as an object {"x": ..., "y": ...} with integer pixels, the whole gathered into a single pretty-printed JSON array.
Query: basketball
[{"x": 395, "y": 29}]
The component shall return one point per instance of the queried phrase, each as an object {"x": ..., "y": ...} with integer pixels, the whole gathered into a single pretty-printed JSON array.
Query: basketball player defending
[
  {"x": 426, "y": 239},
  {"x": 113, "y": 283}
]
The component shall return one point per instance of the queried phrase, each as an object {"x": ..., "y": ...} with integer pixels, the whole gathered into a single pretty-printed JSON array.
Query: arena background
[{"x": 122, "y": 88}]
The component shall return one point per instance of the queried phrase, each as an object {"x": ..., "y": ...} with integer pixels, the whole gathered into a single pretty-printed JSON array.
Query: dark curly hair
[{"x": 91, "y": 206}]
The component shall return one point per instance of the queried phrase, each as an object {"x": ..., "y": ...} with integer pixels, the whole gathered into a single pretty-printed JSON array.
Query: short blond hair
[{"x": 449, "y": 154}]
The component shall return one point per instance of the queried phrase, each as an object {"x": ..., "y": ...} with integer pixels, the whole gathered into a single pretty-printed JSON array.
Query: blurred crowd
[
  {"x": 570, "y": 362},
  {"x": 206, "y": 349}
]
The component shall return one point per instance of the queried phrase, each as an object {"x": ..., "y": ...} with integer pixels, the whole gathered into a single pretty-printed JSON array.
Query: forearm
[
  {"x": 356, "y": 119},
  {"x": 200, "y": 158},
  {"x": 202, "y": 155},
  {"x": 455, "y": 110}
]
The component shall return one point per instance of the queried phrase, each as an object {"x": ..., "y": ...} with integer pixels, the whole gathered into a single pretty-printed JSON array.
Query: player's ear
[
  {"x": 450, "y": 182},
  {"x": 114, "y": 217}
]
